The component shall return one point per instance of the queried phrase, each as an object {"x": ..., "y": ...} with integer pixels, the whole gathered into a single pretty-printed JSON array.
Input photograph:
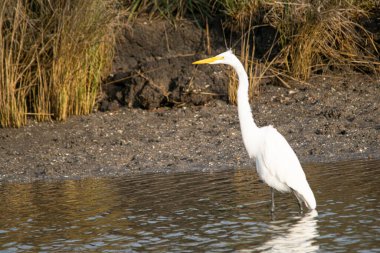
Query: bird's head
[{"x": 224, "y": 58}]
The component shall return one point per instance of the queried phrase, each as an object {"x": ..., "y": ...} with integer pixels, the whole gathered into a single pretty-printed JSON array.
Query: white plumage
[{"x": 276, "y": 163}]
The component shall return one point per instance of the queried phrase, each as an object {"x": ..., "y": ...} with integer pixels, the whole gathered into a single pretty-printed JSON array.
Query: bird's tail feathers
[{"x": 307, "y": 196}]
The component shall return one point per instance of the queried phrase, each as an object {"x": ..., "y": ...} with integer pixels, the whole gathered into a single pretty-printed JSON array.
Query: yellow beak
[{"x": 209, "y": 60}]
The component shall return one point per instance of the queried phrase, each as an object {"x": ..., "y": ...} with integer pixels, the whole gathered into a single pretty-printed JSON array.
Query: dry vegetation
[
  {"x": 53, "y": 54},
  {"x": 52, "y": 57},
  {"x": 313, "y": 37}
]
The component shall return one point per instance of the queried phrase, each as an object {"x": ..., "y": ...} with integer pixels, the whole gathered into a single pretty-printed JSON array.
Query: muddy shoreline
[{"x": 330, "y": 123}]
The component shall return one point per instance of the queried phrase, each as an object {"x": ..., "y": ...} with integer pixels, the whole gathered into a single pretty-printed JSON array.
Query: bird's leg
[
  {"x": 299, "y": 201},
  {"x": 272, "y": 207},
  {"x": 300, "y": 205}
]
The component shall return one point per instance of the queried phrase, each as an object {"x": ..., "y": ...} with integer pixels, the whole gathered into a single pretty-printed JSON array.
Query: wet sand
[{"x": 332, "y": 122}]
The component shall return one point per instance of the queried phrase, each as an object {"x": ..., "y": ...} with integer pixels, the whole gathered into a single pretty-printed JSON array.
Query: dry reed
[
  {"x": 313, "y": 38},
  {"x": 53, "y": 57}
]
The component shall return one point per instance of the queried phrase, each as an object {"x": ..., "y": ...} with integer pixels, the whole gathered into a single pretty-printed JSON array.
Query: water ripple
[{"x": 189, "y": 212}]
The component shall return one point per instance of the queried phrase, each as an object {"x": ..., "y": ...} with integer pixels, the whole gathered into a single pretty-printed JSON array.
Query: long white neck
[{"x": 247, "y": 124}]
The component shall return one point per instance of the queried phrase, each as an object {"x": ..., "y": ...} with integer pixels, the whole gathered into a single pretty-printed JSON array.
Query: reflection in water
[
  {"x": 300, "y": 237},
  {"x": 220, "y": 211}
]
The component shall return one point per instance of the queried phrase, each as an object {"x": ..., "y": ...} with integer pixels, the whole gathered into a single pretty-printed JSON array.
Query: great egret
[{"x": 276, "y": 163}]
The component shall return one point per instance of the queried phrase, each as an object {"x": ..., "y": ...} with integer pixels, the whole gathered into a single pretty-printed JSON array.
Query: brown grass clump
[
  {"x": 312, "y": 38},
  {"x": 324, "y": 38},
  {"x": 13, "y": 65},
  {"x": 52, "y": 57}
]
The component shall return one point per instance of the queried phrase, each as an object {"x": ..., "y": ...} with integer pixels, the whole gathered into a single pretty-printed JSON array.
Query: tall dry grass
[
  {"x": 14, "y": 63},
  {"x": 53, "y": 56},
  {"x": 314, "y": 37}
]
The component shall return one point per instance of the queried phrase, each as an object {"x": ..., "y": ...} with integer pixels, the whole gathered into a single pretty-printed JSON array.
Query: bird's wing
[
  {"x": 280, "y": 159},
  {"x": 283, "y": 164}
]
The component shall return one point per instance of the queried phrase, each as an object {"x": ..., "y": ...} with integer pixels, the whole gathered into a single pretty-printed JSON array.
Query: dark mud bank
[{"x": 186, "y": 122}]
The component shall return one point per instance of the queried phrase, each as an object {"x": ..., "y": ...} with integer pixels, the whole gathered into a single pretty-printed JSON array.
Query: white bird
[{"x": 276, "y": 163}]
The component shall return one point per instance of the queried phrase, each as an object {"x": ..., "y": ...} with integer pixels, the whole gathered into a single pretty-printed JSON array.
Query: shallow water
[{"x": 191, "y": 212}]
